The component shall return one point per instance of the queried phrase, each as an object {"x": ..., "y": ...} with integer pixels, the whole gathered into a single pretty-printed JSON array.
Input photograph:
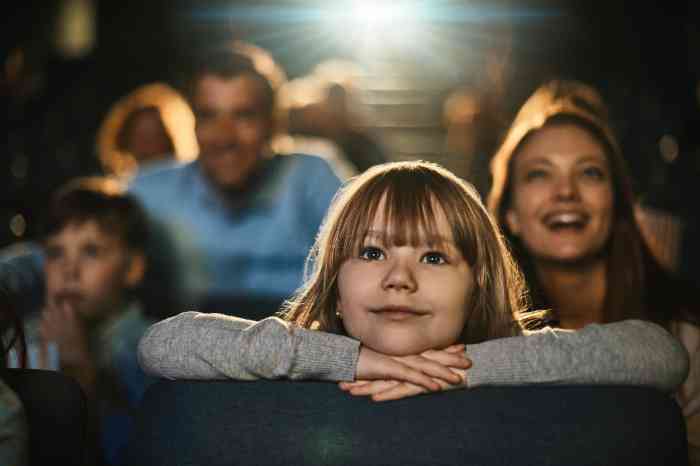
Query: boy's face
[
  {"x": 406, "y": 299},
  {"x": 89, "y": 270}
]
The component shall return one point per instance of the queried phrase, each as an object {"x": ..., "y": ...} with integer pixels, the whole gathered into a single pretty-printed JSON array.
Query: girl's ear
[
  {"x": 338, "y": 308},
  {"x": 512, "y": 222},
  {"x": 136, "y": 269}
]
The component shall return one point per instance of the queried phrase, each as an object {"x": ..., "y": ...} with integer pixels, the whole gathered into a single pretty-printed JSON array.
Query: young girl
[{"x": 410, "y": 284}]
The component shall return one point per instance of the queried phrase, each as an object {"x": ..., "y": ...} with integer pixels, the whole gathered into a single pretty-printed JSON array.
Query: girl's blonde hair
[{"x": 411, "y": 192}]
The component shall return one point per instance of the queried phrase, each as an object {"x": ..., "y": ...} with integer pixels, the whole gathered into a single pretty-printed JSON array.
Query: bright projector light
[
  {"x": 376, "y": 25},
  {"x": 373, "y": 14}
]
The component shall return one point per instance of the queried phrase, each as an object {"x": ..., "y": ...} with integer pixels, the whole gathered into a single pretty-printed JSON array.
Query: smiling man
[{"x": 236, "y": 224}]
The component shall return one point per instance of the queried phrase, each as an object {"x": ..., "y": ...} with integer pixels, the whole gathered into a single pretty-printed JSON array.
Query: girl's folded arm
[
  {"x": 194, "y": 345},
  {"x": 631, "y": 352}
]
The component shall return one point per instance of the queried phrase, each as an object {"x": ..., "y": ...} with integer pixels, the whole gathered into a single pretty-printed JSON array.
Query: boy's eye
[
  {"x": 91, "y": 250},
  {"x": 371, "y": 253},
  {"x": 434, "y": 258}
]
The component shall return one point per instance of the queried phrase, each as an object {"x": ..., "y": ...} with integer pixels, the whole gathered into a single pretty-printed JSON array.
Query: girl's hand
[
  {"x": 432, "y": 370},
  {"x": 384, "y": 390}
]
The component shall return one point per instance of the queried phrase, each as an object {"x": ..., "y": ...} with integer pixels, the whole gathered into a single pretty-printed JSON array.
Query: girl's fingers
[
  {"x": 406, "y": 373},
  {"x": 457, "y": 348},
  {"x": 403, "y": 390},
  {"x": 345, "y": 386},
  {"x": 431, "y": 368},
  {"x": 456, "y": 359},
  {"x": 375, "y": 386}
]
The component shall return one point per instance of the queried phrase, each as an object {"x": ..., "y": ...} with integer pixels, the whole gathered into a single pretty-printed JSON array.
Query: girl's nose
[{"x": 399, "y": 277}]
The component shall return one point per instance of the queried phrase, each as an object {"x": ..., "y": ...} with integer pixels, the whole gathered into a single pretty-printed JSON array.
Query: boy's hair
[
  {"x": 103, "y": 200},
  {"x": 412, "y": 192}
]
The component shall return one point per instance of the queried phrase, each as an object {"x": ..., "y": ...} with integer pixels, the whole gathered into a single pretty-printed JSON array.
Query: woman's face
[
  {"x": 402, "y": 300},
  {"x": 147, "y": 139},
  {"x": 561, "y": 195}
]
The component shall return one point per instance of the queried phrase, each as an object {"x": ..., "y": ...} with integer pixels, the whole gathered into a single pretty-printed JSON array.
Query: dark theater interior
[{"x": 357, "y": 83}]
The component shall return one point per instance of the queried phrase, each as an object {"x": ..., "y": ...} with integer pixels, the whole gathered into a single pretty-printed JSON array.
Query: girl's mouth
[{"x": 397, "y": 312}]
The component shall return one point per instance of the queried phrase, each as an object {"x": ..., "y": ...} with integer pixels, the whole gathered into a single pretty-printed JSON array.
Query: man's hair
[
  {"x": 225, "y": 61},
  {"x": 103, "y": 200}
]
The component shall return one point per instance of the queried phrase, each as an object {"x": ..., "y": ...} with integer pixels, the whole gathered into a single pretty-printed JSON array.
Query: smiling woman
[{"x": 563, "y": 194}]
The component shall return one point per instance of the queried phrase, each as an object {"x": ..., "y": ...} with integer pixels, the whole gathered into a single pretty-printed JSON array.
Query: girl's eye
[
  {"x": 371, "y": 253},
  {"x": 594, "y": 172},
  {"x": 434, "y": 258}
]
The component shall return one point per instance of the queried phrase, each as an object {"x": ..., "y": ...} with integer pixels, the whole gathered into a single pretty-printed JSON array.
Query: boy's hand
[
  {"x": 61, "y": 324},
  {"x": 392, "y": 377}
]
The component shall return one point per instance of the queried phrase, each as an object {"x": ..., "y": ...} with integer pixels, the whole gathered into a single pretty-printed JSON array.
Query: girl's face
[
  {"x": 405, "y": 299},
  {"x": 562, "y": 195}
]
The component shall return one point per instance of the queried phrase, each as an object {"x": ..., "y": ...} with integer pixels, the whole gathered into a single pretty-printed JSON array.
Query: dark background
[{"x": 645, "y": 58}]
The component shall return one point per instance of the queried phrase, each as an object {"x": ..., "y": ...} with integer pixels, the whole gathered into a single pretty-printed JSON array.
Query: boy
[{"x": 91, "y": 323}]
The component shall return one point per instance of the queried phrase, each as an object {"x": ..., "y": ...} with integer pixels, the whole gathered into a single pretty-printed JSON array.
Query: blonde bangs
[{"x": 410, "y": 200}]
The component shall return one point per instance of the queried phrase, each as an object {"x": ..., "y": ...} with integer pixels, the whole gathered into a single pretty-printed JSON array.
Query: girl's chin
[{"x": 397, "y": 349}]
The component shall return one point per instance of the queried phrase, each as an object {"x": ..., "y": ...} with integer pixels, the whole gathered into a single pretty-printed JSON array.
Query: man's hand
[{"x": 393, "y": 377}]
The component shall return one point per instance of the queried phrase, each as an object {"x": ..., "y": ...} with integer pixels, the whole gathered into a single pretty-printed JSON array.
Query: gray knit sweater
[{"x": 194, "y": 345}]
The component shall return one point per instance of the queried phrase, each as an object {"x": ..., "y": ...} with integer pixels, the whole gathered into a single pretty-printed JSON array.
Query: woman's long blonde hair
[
  {"x": 411, "y": 192},
  {"x": 637, "y": 286}
]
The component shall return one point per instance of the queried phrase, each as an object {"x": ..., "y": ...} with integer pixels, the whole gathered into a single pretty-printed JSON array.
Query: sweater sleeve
[
  {"x": 13, "y": 428},
  {"x": 194, "y": 345},
  {"x": 631, "y": 352}
]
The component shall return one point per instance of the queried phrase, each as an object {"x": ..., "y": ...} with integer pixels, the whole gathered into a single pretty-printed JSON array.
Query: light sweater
[{"x": 194, "y": 345}]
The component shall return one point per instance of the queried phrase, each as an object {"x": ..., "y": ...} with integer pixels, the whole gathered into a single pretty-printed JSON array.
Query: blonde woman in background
[{"x": 152, "y": 123}]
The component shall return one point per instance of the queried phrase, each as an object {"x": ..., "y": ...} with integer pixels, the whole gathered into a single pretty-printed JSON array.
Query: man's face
[{"x": 233, "y": 126}]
